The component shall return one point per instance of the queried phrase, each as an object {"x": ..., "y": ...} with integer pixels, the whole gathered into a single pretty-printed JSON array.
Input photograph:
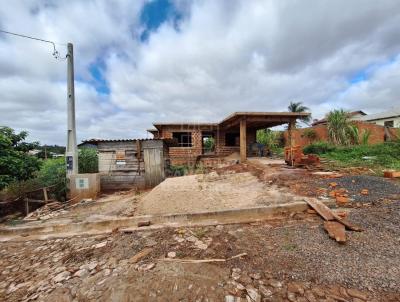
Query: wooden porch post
[
  {"x": 243, "y": 144},
  {"x": 290, "y": 136}
]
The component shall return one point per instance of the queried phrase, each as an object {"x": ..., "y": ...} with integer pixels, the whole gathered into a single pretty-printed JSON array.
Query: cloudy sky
[{"x": 137, "y": 62}]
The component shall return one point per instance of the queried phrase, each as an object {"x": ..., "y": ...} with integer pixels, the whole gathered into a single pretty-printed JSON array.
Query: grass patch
[{"x": 376, "y": 157}]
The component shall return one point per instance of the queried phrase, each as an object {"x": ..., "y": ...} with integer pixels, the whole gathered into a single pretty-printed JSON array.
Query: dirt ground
[
  {"x": 212, "y": 192},
  {"x": 288, "y": 260},
  {"x": 291, "y": 259}
]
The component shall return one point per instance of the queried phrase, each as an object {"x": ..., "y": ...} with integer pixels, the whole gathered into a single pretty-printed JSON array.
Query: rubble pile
[{"x": 54, "y": 209}]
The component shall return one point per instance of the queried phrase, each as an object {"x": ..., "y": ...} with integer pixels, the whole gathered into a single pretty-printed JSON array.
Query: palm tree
[{"x": 299, "y": 107}]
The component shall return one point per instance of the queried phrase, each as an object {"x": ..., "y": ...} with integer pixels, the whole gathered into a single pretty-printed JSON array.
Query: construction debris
[
  {"x": 335, "y": 230},
  {"x": 294, "y": 157},
  {"x": 143, "y": 253},
  {"x": 144, "y": 223},
  {"x": 391, "y": 174},
  {"x": 202, "y": 260},
  {"x": 53, "y": 209}
]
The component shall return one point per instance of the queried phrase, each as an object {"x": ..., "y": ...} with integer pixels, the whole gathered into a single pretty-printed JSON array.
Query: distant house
[
  {"x": 351, "y": 115},
  {"x": 388, "y": 118}
]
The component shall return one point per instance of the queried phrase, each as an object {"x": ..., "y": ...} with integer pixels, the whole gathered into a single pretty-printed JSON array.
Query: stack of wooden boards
[{"x": 334, "y": 224}]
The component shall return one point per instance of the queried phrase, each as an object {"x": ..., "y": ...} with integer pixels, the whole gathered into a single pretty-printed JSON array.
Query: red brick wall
[
  {"x": 188, "y": 155},
  {"x": 377, "y": 134}
]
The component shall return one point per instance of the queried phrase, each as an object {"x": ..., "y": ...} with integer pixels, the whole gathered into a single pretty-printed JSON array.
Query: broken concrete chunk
[
  {"x": 99, "y": 245},
  {"x": 144, "y": 223},
  {"x": 171, "y": 255},
  {"x": 62, "y": 276},
  {"x": 81, "y": 273}
]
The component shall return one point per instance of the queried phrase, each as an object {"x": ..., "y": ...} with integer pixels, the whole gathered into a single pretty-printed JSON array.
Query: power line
[{"x": 56, "y": 54}]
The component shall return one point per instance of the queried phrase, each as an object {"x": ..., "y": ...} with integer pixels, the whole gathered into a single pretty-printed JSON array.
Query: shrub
[
  {"x": 178, "y": 170},
  {"x": 338, "y": 127},
  {"x": 209, "y": 144},
  {"x": 319, "y": 148},
  {"x": 268, "y": 138},
  {"x": 310, "y": 133},
  {"x": 53, "y": 172},
  {"x": 88, "y": 160},
  {"x": 353, "y": 134},
  {"x": 365, "y": 136}
]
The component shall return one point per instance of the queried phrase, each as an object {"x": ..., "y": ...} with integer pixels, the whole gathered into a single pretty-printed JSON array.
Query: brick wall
[
  {"x": 188, "y": 155},
  {"x": 377, "y": 134}
]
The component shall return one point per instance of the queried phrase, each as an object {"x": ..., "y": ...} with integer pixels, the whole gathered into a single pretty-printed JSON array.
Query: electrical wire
[{"x": 55, "y": 54}]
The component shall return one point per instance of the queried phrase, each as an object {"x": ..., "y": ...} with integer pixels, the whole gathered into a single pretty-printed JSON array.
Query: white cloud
[{"x": 226, "y": 56}]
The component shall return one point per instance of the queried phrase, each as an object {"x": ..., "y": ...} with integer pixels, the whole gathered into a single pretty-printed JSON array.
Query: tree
[
  {"x": 299, "y": 108},
  {"x": 15, "y": 162},
  {"x": 267, "y": 137},
  {"x": 338, "y": 127},
  {"x": 88, "y": 160}
]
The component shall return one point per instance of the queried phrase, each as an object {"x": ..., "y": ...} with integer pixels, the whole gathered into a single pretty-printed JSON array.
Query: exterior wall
[
  {"x": 381, "y": 122},
  {"x": 377, "y": 134},
  {"x": 84, "y": 186},
  {"x": 133, "y": 173},
  {"x": 189, "y": 155}
]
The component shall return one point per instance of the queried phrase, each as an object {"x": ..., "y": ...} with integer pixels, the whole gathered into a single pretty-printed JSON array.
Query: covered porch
[{"x": 247, "y": 124}]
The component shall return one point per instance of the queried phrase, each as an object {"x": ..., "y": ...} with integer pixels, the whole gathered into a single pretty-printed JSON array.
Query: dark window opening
[
  {"x": 232, "y": 139},
  {"x": 184, "y": 138},
  {"x": 388, "y": 124}
]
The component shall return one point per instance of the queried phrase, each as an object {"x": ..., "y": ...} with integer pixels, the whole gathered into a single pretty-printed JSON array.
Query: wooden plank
[
  {"x": 329, "y": 215},
  {"x": 46, "y": 198},
  {"x": 335, "y": 230},
  {"x": 320, "y": 208},
  {"x": 143, "y": 253},
  {"x": 243, "y": 141},
  {"x": 347, "y": 223}
]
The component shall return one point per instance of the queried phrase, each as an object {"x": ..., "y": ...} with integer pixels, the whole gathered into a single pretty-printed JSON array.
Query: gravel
[
  {"x": 378, "y": 187},
  {"x": 369, "y": 260}
]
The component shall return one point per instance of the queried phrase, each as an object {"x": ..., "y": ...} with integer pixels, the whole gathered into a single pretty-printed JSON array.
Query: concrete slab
[{"x": 169, "y": 220}]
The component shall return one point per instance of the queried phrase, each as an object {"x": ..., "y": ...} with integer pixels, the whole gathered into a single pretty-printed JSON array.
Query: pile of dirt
[{"x": 212, "y": 192}]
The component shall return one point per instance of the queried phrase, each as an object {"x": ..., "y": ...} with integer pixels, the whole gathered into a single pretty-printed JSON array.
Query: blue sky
[{"x": 138, "y": 61}]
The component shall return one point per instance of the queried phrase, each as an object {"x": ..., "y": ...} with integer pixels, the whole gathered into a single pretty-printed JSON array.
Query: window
[
  {"x": 232, "y": 139},
  {"x": 388, "y": 124},
  {"x": 184, "y": 138}
]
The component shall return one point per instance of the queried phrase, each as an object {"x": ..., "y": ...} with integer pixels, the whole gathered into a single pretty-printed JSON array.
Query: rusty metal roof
[{"x": 101, "y": 140}]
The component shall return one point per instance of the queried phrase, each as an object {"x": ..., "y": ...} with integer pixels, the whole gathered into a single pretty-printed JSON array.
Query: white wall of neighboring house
[
  {"x": 382, "y": 119},
  {"x": 395, "y": 120}
]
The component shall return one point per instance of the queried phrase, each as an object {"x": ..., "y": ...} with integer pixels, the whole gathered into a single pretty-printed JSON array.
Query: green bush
[
  {"x": 88, "y": 160},
  {"x": 310, "y": 133},
  {"x": 178, "y": 170},
  {"x": 385, "y": 155},
  {"x": 53, "y": 172},
  {"x": 209, "y": 144},
  {"x": 268, "y": 138},
  {"x": 15, "y": 162},
  {"x": 319, "y": 148}
]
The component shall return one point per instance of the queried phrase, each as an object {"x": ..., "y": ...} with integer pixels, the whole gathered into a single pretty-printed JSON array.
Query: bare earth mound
[{"x": 212, "y": 192}]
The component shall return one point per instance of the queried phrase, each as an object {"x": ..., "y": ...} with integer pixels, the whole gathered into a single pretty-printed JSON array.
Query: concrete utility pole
[{"x": 71, "y": 154}]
